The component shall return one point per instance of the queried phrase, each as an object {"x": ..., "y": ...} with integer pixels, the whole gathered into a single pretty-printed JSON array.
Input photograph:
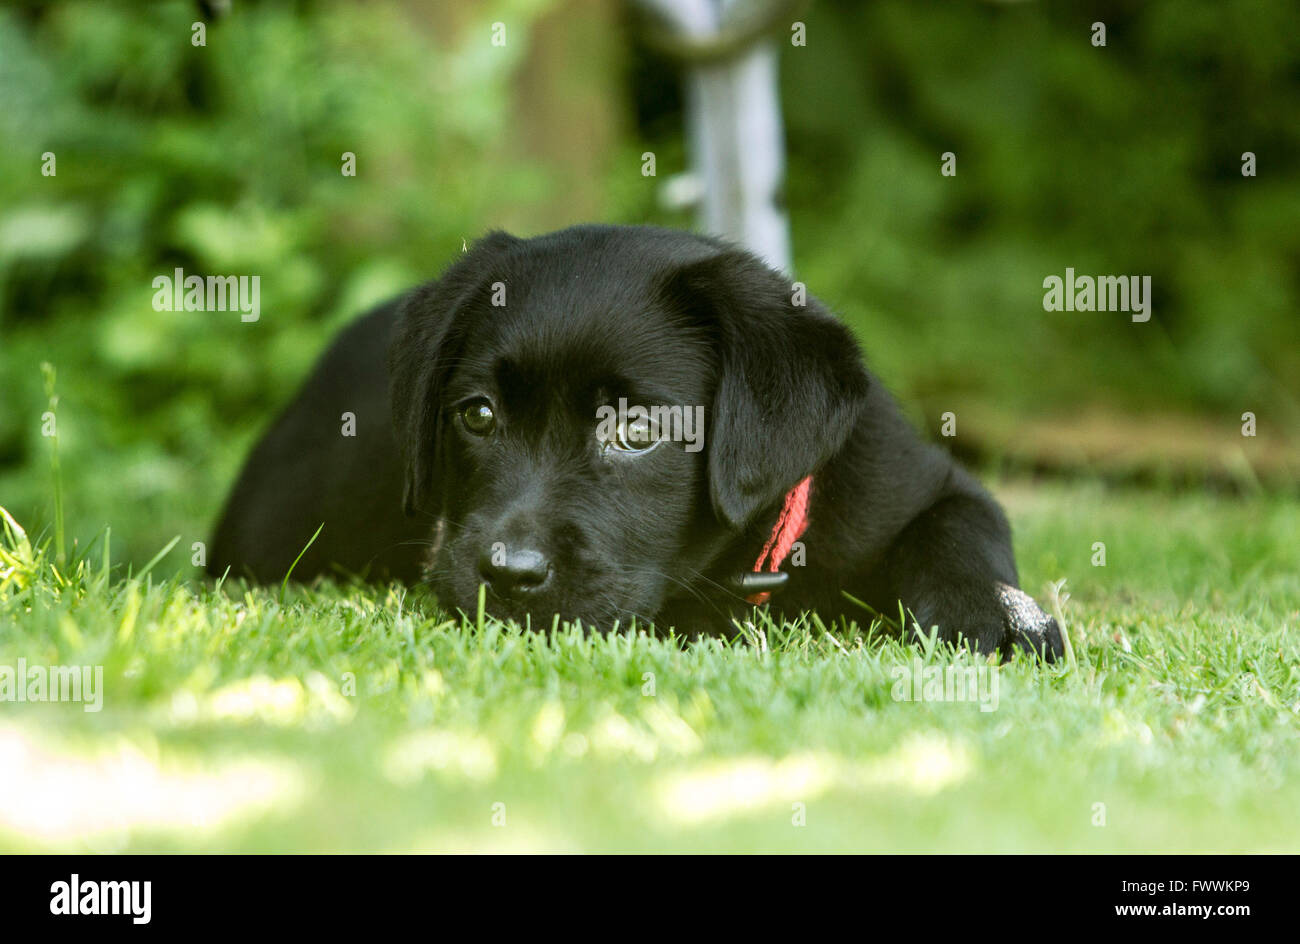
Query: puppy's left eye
[
  {"x": 478, "y": 417},
  {"x": 634, "y": 436}
]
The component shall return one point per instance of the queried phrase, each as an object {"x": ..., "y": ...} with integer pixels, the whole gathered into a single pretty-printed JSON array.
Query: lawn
[{"x": 351, "y": 718}]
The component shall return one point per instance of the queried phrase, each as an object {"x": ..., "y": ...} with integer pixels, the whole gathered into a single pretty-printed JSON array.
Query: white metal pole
[{"x": 734, "y": 133}]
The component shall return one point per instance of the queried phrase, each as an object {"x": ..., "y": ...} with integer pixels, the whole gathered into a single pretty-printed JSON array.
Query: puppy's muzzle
[{"x": 516, "y": 572}]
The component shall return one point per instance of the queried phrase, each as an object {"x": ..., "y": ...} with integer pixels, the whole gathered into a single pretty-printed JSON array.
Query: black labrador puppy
[{"x": 616, "y": 423}]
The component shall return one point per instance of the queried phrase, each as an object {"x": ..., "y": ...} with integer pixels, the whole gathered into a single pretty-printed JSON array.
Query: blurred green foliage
[
  {"x": 218, "y": 159},
  {"x": 225, "y": 159},
  {"x": 1117, "y": 160}
]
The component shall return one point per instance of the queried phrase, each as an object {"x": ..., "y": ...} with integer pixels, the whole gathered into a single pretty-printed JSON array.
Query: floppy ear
[
  {"x": 791, "y": 382},
  {"x": 427, "y": 341}
]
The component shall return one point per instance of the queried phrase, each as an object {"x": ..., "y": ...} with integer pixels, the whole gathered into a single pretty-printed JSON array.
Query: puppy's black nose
[{"x": 512, "y": 571}]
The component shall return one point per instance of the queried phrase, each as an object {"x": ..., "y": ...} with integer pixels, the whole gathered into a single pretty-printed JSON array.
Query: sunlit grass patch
[
  {"x": 741, "y": 786},
  {"x": 99, "y": 795}
]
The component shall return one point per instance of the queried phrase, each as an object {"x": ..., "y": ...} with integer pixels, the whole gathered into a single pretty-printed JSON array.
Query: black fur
[{"x": 556, "y": 525}]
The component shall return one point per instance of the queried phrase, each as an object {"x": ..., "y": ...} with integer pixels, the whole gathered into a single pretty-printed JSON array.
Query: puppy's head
[{"x": 589, "y": 418}]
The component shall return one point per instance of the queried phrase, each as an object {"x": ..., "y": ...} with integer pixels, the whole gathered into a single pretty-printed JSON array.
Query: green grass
[{"x": 228, "y": 722}]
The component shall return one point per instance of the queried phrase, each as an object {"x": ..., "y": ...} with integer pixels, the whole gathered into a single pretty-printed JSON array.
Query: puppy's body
[
  {"x": 305, "y": 472},
  {"x": 478, "y": 459}
]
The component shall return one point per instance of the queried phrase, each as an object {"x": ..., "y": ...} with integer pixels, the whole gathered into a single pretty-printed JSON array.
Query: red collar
[{"x": 790, "y": 526}]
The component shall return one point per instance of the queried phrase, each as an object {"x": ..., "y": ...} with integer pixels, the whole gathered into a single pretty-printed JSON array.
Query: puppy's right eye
[{"x": 478, "y": 417}]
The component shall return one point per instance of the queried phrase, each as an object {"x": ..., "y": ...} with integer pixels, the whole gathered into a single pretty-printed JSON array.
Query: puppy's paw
[
  {"x": 1000, "y": 621},
  {"x": 1027, "y": 627}
]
